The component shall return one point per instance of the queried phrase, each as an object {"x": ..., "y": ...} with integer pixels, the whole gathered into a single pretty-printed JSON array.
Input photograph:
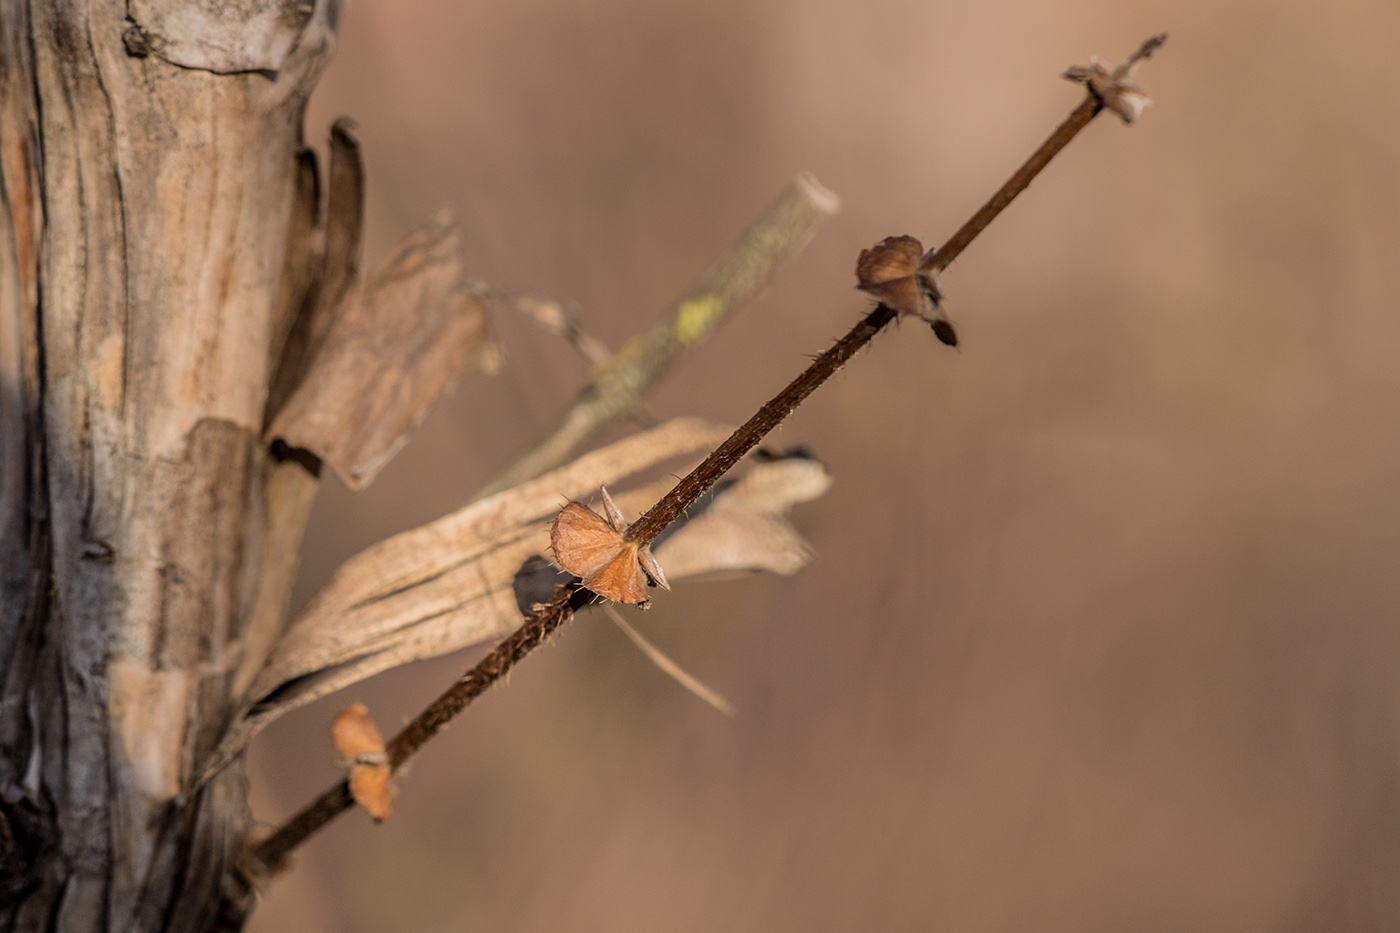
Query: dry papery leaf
[
  {"x": 358, "y": 739},
  {"x": 436, "y": 588},
  {"x": 393, "y": 348},
  {"x": 593, "y": 549},
  {"x": 1112, "y": 88},
  {"x": 466, "y": 578}
]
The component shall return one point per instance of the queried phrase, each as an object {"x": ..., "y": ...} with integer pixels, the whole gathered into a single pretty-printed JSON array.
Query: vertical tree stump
[{"x": 157, "y": 208}]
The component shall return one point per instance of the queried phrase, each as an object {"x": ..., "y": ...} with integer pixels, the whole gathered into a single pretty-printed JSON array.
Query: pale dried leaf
[
  {"x": 744, "y": 528},
  {"x": 439, "y": 587},
  {"x": 395, "y": 346}
]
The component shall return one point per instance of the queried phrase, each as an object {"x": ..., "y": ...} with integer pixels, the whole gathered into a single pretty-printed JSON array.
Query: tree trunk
[{"x": 157, "y": 211}]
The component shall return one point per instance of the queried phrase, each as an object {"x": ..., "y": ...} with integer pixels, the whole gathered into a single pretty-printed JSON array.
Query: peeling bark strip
[
  {"x": 392, "y": 350},
  {"x": 306, "y": 318}
]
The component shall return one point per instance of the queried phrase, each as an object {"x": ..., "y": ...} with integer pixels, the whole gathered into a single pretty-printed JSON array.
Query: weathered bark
[{"x": 153, "y": 247}]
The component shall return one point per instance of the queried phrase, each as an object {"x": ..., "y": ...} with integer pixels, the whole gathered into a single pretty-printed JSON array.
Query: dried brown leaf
[
  {"x": 593, "y": 548},
  {"x": 898, "y": 273},
  {"x": 1112, "y": 87},
  {"x": 394, "y": 347}
]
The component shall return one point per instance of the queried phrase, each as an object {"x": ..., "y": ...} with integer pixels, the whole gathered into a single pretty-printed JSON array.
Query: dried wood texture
[
  {"x": 249, "y": 35},
  {"x": 165, "y": 195},
  {"x": 147, "y": 536}
]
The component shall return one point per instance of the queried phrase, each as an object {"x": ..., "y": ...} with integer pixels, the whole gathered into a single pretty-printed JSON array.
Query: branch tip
[{"x": 1112, "y": 89}]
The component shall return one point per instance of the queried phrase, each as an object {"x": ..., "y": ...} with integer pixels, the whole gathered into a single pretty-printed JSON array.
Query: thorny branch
[{"x": 269, "y": 855}]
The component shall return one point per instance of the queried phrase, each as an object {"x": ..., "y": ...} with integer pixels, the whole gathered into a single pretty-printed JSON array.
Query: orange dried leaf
[
  {"x": 372, "y": 789},
  {"x": 619, "y": 579},
  {"x": 582, "y": 540},
  {"x": 357, "y": 738},
  {"x": 355, "y": 734},
  {"x": 593, "y": 548}
]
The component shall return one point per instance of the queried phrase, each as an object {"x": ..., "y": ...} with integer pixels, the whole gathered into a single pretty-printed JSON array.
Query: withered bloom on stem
[
  {"x": 900, "y": 275},
  {"x": 594, "y": 549}
]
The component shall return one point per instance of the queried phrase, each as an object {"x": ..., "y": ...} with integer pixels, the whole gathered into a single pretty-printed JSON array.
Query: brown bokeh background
[{"x": 1102, "y": 631}]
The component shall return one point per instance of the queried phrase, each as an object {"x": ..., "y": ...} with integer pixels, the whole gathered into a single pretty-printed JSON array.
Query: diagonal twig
[
  {"x": 268, "y": 856},
  {"x": 662, "y": 660},
  {"x": 552, "y": 317}
]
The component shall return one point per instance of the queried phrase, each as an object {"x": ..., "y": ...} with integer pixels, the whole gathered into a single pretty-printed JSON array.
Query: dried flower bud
[
  {"x": 900, "y": 275},
  {"x": 357, "y": 738},
  {"x": 594, "y": 549},
  {"x": 1112, "y": 88}
]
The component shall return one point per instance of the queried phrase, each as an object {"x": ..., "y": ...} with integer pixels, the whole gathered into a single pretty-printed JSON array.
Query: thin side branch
[
  {"x": 667, "y": 665},
  {"x": 552, "y": 317},
  {"x": 270, "y": 854}
]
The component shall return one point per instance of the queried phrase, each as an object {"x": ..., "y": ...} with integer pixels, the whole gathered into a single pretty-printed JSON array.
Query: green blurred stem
[{"x": 615, "y": 388}]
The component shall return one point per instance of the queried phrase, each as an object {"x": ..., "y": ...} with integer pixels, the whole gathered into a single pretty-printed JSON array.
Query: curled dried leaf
[{"x": 439, "y": 587}]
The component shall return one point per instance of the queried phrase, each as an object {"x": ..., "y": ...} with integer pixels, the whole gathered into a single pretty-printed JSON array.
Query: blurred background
[{"x": 1101, "y": 633}]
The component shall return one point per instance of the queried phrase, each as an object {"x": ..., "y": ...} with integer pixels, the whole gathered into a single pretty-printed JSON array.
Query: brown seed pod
[
  {"x": 593, "y": 548},
  {"x": 898, "y": 273}
]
